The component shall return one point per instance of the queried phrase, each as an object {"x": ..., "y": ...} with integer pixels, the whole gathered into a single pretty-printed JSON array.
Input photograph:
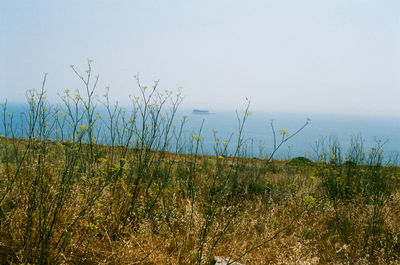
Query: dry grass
[
  {"x": 170, "y": 233},
  {"x": 74, "y": 201}
]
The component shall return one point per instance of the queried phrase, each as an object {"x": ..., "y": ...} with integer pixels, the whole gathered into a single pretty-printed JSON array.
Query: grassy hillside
[
  {"x": 130, "y": 206},
  {"x": 84, "y": 189}
]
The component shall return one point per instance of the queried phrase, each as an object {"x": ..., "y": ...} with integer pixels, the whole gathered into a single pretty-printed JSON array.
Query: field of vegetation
[{"x": 129, "y": 186}]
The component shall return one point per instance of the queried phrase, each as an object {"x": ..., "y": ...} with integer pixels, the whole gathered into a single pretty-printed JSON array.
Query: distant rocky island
[{"x": 202, "y": 112}]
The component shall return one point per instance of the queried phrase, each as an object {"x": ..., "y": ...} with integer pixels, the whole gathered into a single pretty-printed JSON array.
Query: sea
[
  {"x": 258, "y": 137},
  {"x": 321, "y": 128}
]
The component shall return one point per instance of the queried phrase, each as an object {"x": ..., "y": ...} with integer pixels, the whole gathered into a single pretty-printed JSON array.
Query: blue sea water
[
  {"x": 257, "y": 133},
  {"x": 257, "y": 128}
]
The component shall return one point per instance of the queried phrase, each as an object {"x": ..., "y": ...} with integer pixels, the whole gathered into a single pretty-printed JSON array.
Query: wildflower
[
  {"x": 101, "y": 160},
  {"x": 196, "y": 136},
  {"x": 92, "y": 226},
  {"x": 224, "y": 143},
  {"x": 87, "y": 71},
  {"x": 284, "y": 132},
  {"x": 83, "y": 127},
  {"x": 144, "y": 87},
  {"x": 220, "y": 157},
  {"x": 310, "y": 201}
]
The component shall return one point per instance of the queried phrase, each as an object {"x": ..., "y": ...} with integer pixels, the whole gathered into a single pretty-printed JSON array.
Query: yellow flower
[
  {"x": 310, "y": 201},
  {"x": 101, "y": 160},
  {"x": 284, "y": 132},
  {"x": 92, "y": 226},
  {"x": 83, "y": 127}
]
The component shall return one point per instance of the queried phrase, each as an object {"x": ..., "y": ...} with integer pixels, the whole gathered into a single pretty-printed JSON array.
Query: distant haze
[{"x": 335, "y": 56}]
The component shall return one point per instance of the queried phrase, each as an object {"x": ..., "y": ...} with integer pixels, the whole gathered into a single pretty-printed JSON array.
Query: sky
[{"x": 308, "y": 56}]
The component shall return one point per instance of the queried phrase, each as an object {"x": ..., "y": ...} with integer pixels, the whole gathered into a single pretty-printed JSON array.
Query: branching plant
[{"x": 89, "y": 181}]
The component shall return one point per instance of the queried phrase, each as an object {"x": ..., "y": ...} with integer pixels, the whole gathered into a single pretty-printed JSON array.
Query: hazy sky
[{"x": 340, "y": 56}]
